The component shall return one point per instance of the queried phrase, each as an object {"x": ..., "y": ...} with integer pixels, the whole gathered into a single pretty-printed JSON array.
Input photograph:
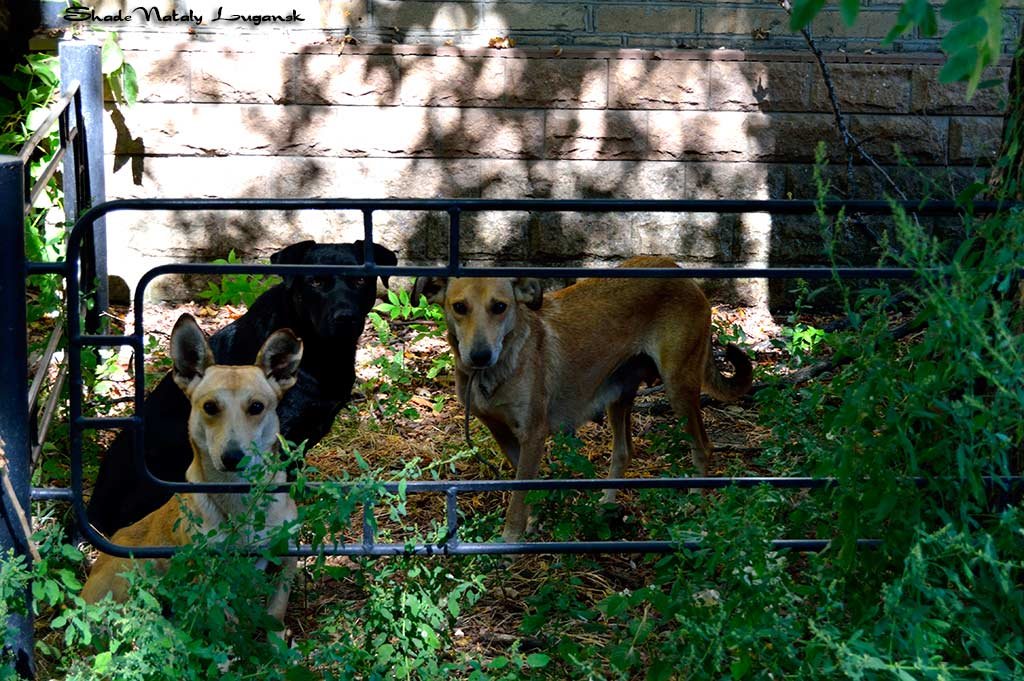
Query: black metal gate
[{"x": 79, "y": 342}]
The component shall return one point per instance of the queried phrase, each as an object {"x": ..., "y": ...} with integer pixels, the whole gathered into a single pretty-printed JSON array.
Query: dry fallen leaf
[{"x": 501, "y": 42}]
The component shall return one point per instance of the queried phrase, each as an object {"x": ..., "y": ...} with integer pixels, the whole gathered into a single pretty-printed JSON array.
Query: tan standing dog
[
  {"x": 234, "y": 415},
  {"x": 529, "y": 366}
]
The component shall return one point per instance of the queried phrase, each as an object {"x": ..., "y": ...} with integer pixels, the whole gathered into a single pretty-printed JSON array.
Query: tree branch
[
  {"x": 850, "y": 140},
  {"x": 16, "y": 506}
]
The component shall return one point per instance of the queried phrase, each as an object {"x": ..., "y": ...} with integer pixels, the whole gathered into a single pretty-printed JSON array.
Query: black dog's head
[{"x": 334, "y": 307}]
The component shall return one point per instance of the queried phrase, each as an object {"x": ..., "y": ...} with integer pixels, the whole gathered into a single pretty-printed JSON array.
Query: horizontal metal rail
[
  {"x": 40, "y": 268},
  {"x": 51, "y": 494},
  {"x": 454, "y": 206},
  {"x": 451, "y": 544}
]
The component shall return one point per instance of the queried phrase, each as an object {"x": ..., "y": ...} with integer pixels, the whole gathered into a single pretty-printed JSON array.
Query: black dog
[{"x": 327, "y": 313}]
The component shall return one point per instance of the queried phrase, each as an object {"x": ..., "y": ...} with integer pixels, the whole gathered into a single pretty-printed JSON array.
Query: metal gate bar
[{"x": 451, "y": 544}]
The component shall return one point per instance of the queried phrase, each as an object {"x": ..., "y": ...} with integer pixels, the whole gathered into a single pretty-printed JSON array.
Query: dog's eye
[
  {"x": 459, "y": 308},
  {"x": 499, "y": 308},
  {"x": 211, "y": 408},
  {"x": 321, "y": 282},
  {"x": 255, "y": 408},
  {"x": 359, "y": 282}
]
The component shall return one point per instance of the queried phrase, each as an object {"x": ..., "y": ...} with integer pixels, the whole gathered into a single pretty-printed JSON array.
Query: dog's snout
[
  {"x": 480, "y": 357},
  {"x": 343, "y": 316},
  {"x": 231, "y": 458}
]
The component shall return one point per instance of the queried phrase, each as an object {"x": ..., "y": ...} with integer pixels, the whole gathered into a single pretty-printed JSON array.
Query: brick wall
[{"x": 305, "y": 113}]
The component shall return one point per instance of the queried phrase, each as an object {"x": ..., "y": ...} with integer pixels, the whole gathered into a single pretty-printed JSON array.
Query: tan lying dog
[
  {"x": 233, "y": 416},
  {"x": 536, "y": 369}
]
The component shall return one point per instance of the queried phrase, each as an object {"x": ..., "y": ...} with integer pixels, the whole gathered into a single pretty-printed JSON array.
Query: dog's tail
[{"x": 734, "y": 387}]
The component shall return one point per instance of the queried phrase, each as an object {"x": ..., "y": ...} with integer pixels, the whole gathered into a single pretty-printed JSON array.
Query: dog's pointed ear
[
  {"x": 381, "y": 256},
  {"x": 279, "y": 359},
  {"x": 190, "y": 353},
  {"x": 529, "y": 292},
  {"x": 292, "y": 255},
  {"x": 433, "y": 288}
]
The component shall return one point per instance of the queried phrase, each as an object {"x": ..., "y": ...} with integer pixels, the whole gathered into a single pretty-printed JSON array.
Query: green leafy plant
[
  {"x": 205, "y": 614},
  {"x": 403, "y": 624},
  {"x": 119, "y": 74},
  {"x": 235, "y": 289},
  {"x": 393, "y": 386},
  {"x": 731, "y": 334},
  {"x": 801, "y": 341},
  {"x": 396, "y": 378},
  {"x": 570, "y": 515},
  {"x": 28, "y": 91},
  {"x": 399, "y": 306},
  {"x": 973, "y": 42}
]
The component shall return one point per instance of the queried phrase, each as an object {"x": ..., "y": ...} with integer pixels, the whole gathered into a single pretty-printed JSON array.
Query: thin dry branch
[
  {"x": 850, "y": 140},
  {"x": 19, "y": 511}
]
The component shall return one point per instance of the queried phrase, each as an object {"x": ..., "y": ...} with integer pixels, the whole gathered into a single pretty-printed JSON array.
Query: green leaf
[
  {"x": 36, "y": 118},
  {"x": 959, "y": 10},
  {"x": 959, "y": 66},
  {"x": 614, "y": 605},
  {"x": 804, "y": 12},
  {"x": 740, "y": 668},
  {"x": 69, "y": 579},
  {"x": 453, "y": 605},
  {"x": 102, "y": 662},
  {"x": 918, "y": 10},
  {"x": 969, "y": 192},
  {"x": 537, "y": 660},
  {"x": 70, "y": 552},
  {"x": 895, "y": 32},
  {"x": 929, "y": 22},
  {"x": 498, "y": 663},
  {"x": 131, "y": 84},
  {"x": 849, "y": 9},
  {"x": 301, "y": 674},
  {"x": 660, "y": 670},
  {"x": 111, "y": 57},
  {"x": 965, "y": 34}
]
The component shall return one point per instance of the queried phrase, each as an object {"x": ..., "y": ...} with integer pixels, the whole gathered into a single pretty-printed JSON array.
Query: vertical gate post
[
  {"x": 14, "y": 390},
  {"x": 80, "y": 60}
]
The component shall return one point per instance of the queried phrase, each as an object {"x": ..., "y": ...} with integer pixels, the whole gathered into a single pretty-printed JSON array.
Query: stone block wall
[{"x": 274, "y": 112}]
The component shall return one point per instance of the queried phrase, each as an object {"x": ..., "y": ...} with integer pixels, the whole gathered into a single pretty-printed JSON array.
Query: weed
[
  {"x": 237, "y": 289},
  {"x": 396, "y": 378}
]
